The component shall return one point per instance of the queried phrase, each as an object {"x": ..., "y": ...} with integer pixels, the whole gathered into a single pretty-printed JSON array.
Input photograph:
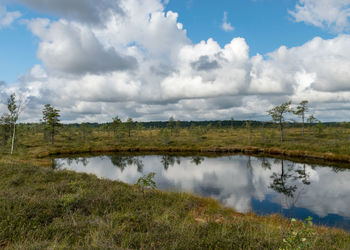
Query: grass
[
  {"x": 330, "y": 144},
  {"x": 43, "y": 208}
]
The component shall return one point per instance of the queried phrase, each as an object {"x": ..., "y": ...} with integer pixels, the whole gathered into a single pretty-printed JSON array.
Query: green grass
[
  {"x": 43, "y": 208},
  {"x": 331, "y": 144}
]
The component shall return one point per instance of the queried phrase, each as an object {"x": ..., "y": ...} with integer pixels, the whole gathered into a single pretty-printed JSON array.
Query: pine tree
[
  {"x": 278, "y": 115},
  {"x": 302, "y": 108},
  {"x": 51, "y": 121}
]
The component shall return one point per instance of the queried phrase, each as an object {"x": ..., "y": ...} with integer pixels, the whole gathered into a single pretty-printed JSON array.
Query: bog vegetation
[
  {"x": 292, "y": 131},
  {"x": 40, "y": 207}
]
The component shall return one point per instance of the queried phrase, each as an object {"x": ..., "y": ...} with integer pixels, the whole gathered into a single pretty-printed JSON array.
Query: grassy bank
[
  {"x": 332, "y": 144},
  {"x": 43, "y": 208}
]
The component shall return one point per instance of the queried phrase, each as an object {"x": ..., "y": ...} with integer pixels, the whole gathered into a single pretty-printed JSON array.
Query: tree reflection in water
[
  {"x": 249, "y": 164},
  {"x": 280, "y": 181},
  {"x": 123, "y": 161},
  {"x": 76, "y": 160},
  {"x": 167, "y": 161},
  {"x": 265, "y": 163},
  {"x": 244, "y": 183},
  {"x": 303, "y": 175},
  {"x": 197, "y": 160},
  {"x": 286, "y": 182}
]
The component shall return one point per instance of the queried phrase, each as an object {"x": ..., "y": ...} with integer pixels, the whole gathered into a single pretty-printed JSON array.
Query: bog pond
[{"x": 244, "y": 183}]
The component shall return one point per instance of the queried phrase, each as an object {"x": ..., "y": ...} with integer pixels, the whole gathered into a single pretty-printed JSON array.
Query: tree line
[{"x": 50, "y": 122}]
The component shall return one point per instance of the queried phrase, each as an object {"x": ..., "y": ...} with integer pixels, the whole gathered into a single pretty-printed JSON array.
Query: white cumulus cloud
[
  {"x": 8, "y": 17},
  {"x": 226, "y": 26},
  {"x": 332, "y": 14},
  {"x": 73, "y": 48},
  {"x": 87, "y": 11},
  {"x": 140, "y": 63}
]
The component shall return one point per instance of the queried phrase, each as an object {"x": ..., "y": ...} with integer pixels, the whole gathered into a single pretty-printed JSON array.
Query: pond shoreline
[
  {"x": 83, "y": 206},
  {"x": 295, "y": 155},
  {"x": 231, "y": 178}
]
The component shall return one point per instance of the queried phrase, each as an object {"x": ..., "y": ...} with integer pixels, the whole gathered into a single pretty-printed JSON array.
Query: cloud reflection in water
[{"x": 233, "y": 180}]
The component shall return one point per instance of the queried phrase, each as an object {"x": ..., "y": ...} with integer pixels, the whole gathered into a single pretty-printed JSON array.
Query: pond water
[{"x": 244, "y": 183}]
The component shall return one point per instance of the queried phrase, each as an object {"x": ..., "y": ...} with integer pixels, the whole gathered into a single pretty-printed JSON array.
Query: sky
[{"x": 189, "y": 59}]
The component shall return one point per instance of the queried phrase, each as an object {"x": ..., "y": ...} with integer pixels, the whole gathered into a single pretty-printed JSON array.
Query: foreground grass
[{"x": 43, "y": 208}]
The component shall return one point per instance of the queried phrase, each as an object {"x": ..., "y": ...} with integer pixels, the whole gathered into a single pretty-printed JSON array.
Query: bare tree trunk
[
  {"x": 303, "y": 124},
  {"x": 52, "y": 135},
  {"x": 13, "y": 138},
  {"x": 281, "y": 130}
]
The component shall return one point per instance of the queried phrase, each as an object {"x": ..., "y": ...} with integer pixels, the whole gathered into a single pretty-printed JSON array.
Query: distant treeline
[{"x": 214, "y": 124}]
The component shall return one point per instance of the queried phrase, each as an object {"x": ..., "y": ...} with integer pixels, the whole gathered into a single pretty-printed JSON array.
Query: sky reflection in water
[{"x": 261, "y": 185}]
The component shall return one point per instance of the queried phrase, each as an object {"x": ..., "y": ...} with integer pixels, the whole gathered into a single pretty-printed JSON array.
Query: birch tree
[{"x": 14, "y": 108}]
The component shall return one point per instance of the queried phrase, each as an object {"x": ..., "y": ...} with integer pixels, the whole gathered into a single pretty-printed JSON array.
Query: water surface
[{"x": 244, "y": 183}]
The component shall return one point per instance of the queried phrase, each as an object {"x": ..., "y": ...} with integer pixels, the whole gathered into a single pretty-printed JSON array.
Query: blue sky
[
  {"x": 17, "y": 52},
  {"x": 265, "y": 24},
  {"x": 18, "y": 47},
  {"x": 190, "y": 59}
]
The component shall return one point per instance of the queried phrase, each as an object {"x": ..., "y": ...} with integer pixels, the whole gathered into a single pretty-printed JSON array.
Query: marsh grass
[
  {"x": 332, "y": 143},
  {"x": 44, "y": 208}
]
